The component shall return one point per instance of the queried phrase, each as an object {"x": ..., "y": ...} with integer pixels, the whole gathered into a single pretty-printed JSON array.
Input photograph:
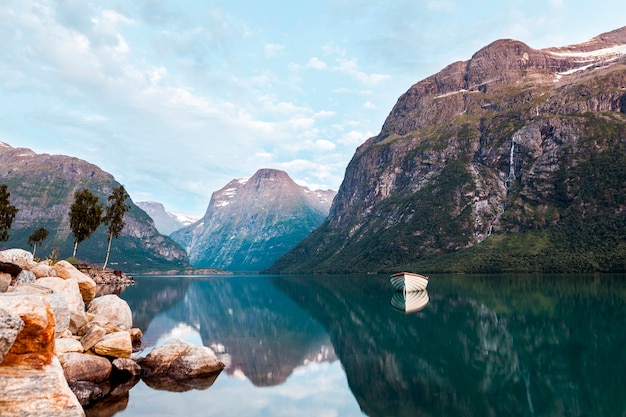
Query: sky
[{"x": 175, "y": 98}]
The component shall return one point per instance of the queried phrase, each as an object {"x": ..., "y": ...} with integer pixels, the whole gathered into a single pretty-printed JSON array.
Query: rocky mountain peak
[
  {"x": 42, "y": 187},
  {"x": 506, "y": 63},
  {"x": 515, "y": 141},
  {"x": 164, "y": 221},
  {"x": 251, "y": 221},
  {"x": 266, "y": 185}
]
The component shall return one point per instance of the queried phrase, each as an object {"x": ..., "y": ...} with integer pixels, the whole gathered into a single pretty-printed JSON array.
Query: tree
[
  {"x": 114, "y": 216},
  {"x": 36, "y": 237},
  {"x": 85, "y": 216},
  {"x": 7, "y": 213}
]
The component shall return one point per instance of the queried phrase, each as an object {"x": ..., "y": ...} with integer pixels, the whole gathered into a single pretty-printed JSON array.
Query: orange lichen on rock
[{"x": 34, "y": 345}]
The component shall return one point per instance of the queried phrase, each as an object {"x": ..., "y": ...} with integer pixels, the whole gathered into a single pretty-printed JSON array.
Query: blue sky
[{"x": 177, "y": 97}]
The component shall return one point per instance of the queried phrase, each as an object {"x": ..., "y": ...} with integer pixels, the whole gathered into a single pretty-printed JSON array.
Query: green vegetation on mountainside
[{"x": 570, "y": 221}]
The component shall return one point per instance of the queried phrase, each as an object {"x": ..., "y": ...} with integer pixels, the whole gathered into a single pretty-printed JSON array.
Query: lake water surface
[{"x": 497, "y": 345}]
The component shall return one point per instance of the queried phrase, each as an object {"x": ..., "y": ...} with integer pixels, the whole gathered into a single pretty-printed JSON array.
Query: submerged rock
[
  {"x": 127, "y": 366},
  {"x": 179, "y": 360}
]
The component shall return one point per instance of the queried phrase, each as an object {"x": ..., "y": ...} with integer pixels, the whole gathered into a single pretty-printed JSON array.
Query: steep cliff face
[
  {"x": 42, "y": 187},
  {"x": 251, "y": 222},
  {"x": 518, "y": 149}
]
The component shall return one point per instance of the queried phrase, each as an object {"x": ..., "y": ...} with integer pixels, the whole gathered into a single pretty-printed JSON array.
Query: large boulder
[
  {"x": 111, "y": 308},
  {"x": 61, "y": 312},
  {"x": 179, "y": 360},
  {"x": 34, "y": 345},
  {"x": 115, "y": 345},
  {"x": 20, "y": 257},
  {"x": 87, "y": 286},
  {"x": 37, "y": 393},
  {"x": 69, "y": 289},
  {"x": 10, "y": 326},
  {"x": 84, "y": 367},
  {"x": 57, "y": 302}
]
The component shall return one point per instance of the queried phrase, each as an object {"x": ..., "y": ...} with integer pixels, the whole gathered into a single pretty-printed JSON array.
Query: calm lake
[{"x": 497, "y": 345}]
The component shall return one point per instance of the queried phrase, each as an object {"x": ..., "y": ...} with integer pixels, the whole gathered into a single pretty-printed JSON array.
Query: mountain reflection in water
[{"x": 482, "y": 345}]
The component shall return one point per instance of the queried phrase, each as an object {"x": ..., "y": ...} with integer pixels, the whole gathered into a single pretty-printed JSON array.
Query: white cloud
[
  {"x": 324, "y": 145},
  {"x": 355, "y": 138},
  {"x": 317, "y": 64},
  {"x": 197, "y": 94},
  {"x": 325, "y": 114},
  {"x": 351, "y": 67},
  {"x": 272, "y": 50}
]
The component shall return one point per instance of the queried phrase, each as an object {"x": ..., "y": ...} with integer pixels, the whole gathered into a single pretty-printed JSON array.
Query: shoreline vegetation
[{"x": 68, "y": 347}]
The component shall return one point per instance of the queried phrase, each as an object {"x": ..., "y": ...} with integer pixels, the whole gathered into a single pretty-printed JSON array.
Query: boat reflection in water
[{"x": 410, "y": 302}]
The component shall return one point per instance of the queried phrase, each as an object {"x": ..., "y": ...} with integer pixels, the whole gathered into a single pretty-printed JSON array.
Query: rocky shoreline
[{"x": 64, "y": 350}]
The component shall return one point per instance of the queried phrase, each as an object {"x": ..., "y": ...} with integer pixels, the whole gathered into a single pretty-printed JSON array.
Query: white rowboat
[{"x": 408, "y": 282}]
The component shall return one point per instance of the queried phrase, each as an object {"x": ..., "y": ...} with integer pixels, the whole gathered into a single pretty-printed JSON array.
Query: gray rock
[
  {"x": 61, "y": 312},
  {"x": 180, "y": 360},
  {"x": 10, "y": 326},
  {"x": 86, "y": 392},
  {"x": 20, "y": 257},
  {"x": 25, "y": 277}
]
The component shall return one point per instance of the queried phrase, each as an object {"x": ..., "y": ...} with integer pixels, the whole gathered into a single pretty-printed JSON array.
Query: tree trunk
[
  {"x": 34, "y": 249},
  {"x": 106, "y": 261},
  {"x": 75, "y": 247}
]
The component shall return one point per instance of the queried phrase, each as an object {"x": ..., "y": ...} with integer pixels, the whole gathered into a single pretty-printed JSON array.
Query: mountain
[
  {"x": 42, "y": 187},
  {"x": 252, "y": 221},
  {"x": 514, "y": 160},
  {"x": 164, "y": 221}
]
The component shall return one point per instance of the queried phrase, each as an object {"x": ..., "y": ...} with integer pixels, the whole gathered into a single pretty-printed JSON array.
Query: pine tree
[
  {"x": 114, "y": 216},
  {"x": 7, "y": 213},
  {"x": 85, "y": 216}
]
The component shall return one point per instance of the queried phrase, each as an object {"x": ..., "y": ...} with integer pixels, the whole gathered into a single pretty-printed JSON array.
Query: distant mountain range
[
  {"x": 42, "y": 187},
  {"x": 512, "y": 161},
  {"x": 164, "y": 221},
  {"x": 252, "y": 221}
]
